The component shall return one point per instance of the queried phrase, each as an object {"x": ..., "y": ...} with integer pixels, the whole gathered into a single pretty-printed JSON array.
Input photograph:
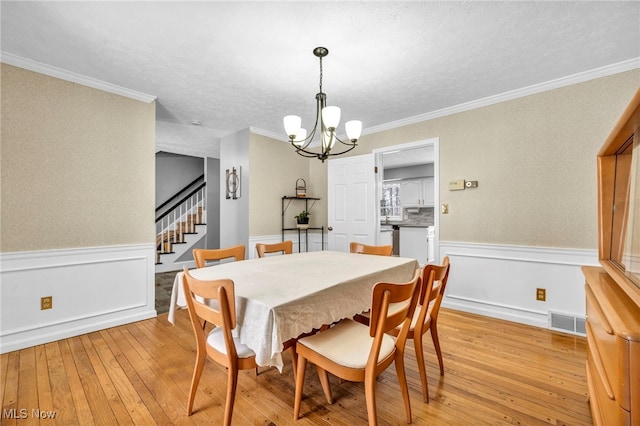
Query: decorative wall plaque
[{"x": 233, "y": 184}]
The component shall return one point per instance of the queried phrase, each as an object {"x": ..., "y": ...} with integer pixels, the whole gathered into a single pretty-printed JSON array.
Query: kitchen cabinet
[
  {"x": 413, "y": 243},
  {"x": 418, "y": 192},
  {"x": 385, "y": 238},
  {"x": 428, "y": 191},
  {"x": 411, "y": 193}
]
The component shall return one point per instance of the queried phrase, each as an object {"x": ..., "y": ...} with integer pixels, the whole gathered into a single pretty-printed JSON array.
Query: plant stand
[{"x": 286, "y": 201}]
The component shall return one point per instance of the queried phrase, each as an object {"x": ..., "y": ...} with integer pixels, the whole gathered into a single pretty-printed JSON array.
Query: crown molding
[
  {"x": 619, "y": 67},
  {"x": 51, "y": 71},
  {"x": 268, "y": 134},
  {"x": 558, "y": 83},
  {"x": 581, "y": 77}
]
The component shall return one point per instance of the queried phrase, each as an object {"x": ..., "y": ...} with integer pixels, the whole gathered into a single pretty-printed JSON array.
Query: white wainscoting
[
  {"x": 500, "y": 281},
  {"x": 315, "y": 241},
  {"x": 92, "y": 289}
]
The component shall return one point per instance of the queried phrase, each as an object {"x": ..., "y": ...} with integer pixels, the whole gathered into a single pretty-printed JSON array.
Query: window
[{"x": 391, "y": 201}]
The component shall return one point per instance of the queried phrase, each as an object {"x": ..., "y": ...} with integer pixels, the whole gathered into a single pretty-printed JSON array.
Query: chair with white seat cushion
[
  {"x": 219, "y": 345},
  {"x": 425, "y": 318},
  {"x": 359, "y": 353}
]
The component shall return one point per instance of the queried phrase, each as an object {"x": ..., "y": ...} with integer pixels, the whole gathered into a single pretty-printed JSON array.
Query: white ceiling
[{"x": 233, "y": 65}]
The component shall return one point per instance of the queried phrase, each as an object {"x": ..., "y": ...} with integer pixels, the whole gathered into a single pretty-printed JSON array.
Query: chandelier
[{"x": 327, "y": 120}]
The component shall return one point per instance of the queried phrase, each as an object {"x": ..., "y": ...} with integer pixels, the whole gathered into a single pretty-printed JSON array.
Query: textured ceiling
[{"x": 233, "y": 65}]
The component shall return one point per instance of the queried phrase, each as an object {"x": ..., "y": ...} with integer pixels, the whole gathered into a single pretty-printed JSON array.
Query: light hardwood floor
[{"x": 496, "y": 372}]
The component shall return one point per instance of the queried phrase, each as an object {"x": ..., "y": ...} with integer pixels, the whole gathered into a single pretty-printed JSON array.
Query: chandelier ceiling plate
[{"x": 321, "y": 52}]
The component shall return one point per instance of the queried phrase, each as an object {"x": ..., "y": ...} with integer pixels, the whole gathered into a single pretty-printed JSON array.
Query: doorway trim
[{"x": 431, "y": 142}]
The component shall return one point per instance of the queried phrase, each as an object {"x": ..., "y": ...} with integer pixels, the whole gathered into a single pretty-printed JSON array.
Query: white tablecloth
[{"x": 281, "y": 297}]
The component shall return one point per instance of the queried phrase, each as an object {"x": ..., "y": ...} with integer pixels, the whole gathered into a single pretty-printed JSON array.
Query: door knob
[{"x": 330, "y": 228}]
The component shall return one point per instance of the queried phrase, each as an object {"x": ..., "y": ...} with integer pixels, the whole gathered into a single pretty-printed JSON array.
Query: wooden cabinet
[
  {"x": 613, "y": 351},
  {"x": 613, "y": 290}
]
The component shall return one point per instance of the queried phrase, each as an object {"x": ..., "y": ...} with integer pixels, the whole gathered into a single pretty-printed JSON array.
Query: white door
[{"x": 351, "y": 201}]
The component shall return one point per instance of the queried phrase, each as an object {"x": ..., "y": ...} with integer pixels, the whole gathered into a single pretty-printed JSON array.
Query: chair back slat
[
  {"x": 360, "y": 248},
  {"x": 212, "y": 301},
  {"x": 385, "y": 294},
  {"x": 201, "y": 256},
  {"x": 285, "y": 247}
]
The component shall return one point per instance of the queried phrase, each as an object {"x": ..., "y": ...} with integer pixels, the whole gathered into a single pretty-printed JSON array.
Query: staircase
[{"x": 179, "y": 228}]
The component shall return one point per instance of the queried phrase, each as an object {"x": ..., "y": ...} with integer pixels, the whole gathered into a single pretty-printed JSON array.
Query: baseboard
[
  {"x": 500, "y": 281},
  {"x": 92, "y": 289}
]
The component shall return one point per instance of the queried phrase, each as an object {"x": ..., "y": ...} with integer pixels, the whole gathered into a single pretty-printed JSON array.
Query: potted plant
[{"x": 303, "y": 218}]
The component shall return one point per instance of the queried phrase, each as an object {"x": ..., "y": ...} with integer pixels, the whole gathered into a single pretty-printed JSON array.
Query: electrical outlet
[
  {"x": 541, "y": 294},
  {"x": 445, "y": 209},
  {"x": 46, "y": 302}
]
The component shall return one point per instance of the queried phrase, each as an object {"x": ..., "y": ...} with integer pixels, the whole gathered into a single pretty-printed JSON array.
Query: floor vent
[{"x": 568, "y": 323}]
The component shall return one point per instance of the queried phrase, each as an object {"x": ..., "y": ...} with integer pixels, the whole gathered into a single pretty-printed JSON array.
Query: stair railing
[{"x": 173, "y": 200}]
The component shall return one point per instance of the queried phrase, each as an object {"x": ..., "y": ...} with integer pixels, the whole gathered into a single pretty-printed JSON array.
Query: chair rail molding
[
  {"x": 500, "y": 281},
  {"x": 92, "y": 289}
]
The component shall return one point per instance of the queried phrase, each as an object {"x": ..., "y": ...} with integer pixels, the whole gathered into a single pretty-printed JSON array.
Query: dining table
[{"x": 281, "y": 297}]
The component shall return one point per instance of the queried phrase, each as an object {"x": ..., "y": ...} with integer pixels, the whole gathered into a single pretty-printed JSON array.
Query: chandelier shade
[
  {"x": 292, "y": 124},
  {"x": 326, "y": 124}
]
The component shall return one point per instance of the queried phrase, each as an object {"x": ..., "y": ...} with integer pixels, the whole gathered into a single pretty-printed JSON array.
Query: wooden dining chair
[
  {"x": 357, "y": 353},
  {"x": 366, "y": 249},
  {"x": 219, "y": 344},
  {"x": 285, "y": 247},
  {"x": 202, "y": 256},
  {"x": 425, "y": 317}
]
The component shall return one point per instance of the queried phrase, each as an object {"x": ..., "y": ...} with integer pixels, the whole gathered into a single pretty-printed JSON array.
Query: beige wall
[
  {"x": 275, "y": 167},
  {"x": 77, "y": 165},
  {"x": 534, "y": 159}
]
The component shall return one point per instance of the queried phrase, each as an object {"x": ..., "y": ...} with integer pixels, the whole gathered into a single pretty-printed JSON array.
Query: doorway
[{"x": 407, "y": 188}]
